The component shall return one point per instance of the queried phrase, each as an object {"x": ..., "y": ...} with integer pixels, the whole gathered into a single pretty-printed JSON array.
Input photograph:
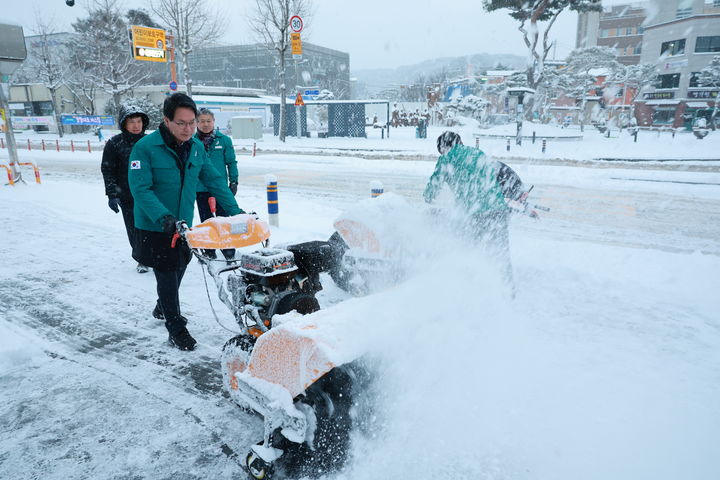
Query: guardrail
[
  {"x": 9, "y": 168},
  {"x": 59, "y": 145}
]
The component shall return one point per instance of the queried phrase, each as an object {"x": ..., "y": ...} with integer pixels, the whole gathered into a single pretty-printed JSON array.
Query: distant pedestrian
[
  {"x": 221, "y": 153},
  {"x": 133, "y": 123},
  {"x": 99, "y": 134},
  {"x": 165, "y": 168}
]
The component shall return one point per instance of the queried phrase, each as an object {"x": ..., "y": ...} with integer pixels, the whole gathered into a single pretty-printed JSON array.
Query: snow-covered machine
[{"x": 290, "y": 372}]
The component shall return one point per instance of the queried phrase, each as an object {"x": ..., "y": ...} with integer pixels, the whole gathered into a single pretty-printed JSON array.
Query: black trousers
[
  {"x": 168, "y": 290},
  {"x": 205, "y": 213},
  {"x": 126, "y": 207}
]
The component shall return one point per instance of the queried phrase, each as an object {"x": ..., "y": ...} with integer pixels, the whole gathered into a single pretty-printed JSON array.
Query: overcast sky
[{"x": 376, "y": 33}]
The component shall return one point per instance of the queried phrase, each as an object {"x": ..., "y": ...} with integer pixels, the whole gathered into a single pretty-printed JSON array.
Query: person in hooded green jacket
[
  {"x": 165, "y": 168},
  {"x": 221, "y": 152},
  {"x": 481, "y": 187}
]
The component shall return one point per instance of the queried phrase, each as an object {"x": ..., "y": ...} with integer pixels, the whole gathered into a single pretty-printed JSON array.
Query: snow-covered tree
[
  {"x": 469, "y": 106},
  {"x": 103, "y": 51},
  {"x": 584, "y": 66},
  {"x": 529, "y": 14},
  {"x": 48, "y": 64},
  {"x": 192, "y": 22},
  {"x": 635, "y": 78},
  {"x": 710, "y": 77},
  {"x": 271, "y": 23}
]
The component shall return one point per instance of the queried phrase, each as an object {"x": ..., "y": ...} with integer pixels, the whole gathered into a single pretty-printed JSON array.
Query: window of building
[
  {"x": 716, "y": 3},
  {"x": 683, "y": 12},
  {"x": 620, "y": 92},
  {"x": 664, "y": 116},
  {"x": 629, "y": 31},
  {"x": 603, "y": 33},
  {"x": 707, "y": 44},
  {"x": 640, "y": 30},
  {"x": 694, "y": 80},
  {"x": 670, "y": 80},
  {"x": 638, "y": 49},
  {"x": 673, "y": 47}
]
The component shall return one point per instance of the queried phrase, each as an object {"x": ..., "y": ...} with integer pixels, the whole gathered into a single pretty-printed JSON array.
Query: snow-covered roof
[
  {"x": 230, "y": 100},
  {"x": 501, "y": 73}
]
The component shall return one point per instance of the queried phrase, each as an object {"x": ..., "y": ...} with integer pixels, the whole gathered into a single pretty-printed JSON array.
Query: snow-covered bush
[{"x": 469, "y": 106}]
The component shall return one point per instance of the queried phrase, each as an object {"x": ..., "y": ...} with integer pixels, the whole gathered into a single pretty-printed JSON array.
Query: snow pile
[{"x": 16, "y": 350}]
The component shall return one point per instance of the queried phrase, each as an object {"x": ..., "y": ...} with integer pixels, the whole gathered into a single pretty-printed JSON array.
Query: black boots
[
  {"x": 158, "y": 313},
  {"x": 182, "y": 339},
  {"x": 179, "y": 337}
]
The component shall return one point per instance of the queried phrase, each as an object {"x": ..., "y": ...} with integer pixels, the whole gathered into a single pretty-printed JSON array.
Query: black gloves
[
  {"x": 114, "y": 204},
  {"x": 169, "y": 224},
  {"x": 233, "y": 188}
]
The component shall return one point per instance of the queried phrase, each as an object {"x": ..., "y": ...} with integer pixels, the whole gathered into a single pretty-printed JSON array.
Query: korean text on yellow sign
[{"x": 149, "y": 44}]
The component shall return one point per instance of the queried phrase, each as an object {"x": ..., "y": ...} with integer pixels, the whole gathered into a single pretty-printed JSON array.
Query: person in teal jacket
[
  {"x": 220, "y": 149},
  {"x": 481, "y": 187},
  {"x": 165, "y": 168}
]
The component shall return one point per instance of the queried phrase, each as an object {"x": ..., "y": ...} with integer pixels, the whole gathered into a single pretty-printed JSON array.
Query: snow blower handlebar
[
  {"x": 522, "y": 206},
  {"x": 180, "y": 229}
]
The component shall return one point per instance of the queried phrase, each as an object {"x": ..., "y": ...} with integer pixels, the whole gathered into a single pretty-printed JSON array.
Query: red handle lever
[
  {"x": 213, "y": 205},
  {"x": 174, "y": 240}
]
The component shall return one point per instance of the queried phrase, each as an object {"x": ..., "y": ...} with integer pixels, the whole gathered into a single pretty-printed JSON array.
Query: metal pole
[{"x": 10, "y": 136}]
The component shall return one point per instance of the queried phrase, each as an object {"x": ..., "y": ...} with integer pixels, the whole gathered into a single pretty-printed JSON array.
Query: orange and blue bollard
[{"x": 272, "y": 200}]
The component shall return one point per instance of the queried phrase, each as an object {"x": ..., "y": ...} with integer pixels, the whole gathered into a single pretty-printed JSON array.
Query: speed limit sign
[{"x": 296, "y": 24}]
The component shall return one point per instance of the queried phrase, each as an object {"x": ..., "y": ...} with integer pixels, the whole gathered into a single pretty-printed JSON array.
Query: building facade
[
  {"x": 681, "y": 38},
  {"x": 618, "y": 26},
  {"x": 255, "y": 66}
]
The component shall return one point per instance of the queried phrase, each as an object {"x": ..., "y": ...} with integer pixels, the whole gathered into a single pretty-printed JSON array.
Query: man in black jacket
[{"x": 133, "y": 122}]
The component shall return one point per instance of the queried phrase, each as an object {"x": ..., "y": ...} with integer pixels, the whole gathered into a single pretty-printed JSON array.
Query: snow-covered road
[{"x": 607, "y": 365}]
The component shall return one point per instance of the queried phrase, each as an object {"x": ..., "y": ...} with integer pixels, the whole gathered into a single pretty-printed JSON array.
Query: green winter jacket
[
  {"x": 471, "y": 177},
  {"x": 222, "y": 157},
  {"x": 155, "y": 182}
]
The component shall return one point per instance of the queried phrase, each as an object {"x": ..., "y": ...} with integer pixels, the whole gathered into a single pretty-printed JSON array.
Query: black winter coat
[
  {"x": 115, "y": 164},
  {"x": 116, "y": 155}
]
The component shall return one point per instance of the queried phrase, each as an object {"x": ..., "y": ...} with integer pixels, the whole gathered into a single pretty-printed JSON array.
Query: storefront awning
[
  {"x": 662, "y": 102},
  {"x": 697, "y": 105}
]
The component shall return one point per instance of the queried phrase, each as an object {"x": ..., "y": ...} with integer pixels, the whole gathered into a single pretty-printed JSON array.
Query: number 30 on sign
[{"x": 296, "y": 24}]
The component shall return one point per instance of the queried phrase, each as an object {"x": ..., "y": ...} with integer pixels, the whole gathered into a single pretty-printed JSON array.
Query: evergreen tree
[
  {"x": 529, "y": 14},
  {"x": 710, "y": 77}
]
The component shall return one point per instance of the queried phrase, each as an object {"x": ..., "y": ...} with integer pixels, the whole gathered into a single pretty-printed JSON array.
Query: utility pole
[
  {"x": 13, "y": 54},
  {"x": 10, "y": 135}
]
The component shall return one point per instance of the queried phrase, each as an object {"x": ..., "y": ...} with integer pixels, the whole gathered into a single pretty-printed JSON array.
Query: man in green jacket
[
  {"x": 221, "y": 152},
  {"x": 481, "y": 187},
  {"x": 165, "y": 168}
]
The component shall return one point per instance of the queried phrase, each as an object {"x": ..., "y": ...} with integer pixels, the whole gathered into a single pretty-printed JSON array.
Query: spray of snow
[{"x": 556, "y": 384}]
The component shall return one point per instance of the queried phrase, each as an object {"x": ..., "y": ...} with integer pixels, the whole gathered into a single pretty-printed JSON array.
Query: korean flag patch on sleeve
[{"x": 135, "y": 165}]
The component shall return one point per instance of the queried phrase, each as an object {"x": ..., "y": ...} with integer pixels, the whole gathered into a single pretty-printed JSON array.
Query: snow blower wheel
[{"x": 257, "y": 467}]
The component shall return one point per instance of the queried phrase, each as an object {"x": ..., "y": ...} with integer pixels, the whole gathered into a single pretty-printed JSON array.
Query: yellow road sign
[
  {"x": 296, "y": 44},
  {"x": 148, "y": 44}
]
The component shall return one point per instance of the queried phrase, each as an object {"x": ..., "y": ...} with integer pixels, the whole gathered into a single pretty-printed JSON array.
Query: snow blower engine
[{"x": 260, "y": 284}]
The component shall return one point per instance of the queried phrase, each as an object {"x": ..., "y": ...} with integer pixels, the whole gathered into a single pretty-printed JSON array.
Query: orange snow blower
[{"x": 288, "y": 372}]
